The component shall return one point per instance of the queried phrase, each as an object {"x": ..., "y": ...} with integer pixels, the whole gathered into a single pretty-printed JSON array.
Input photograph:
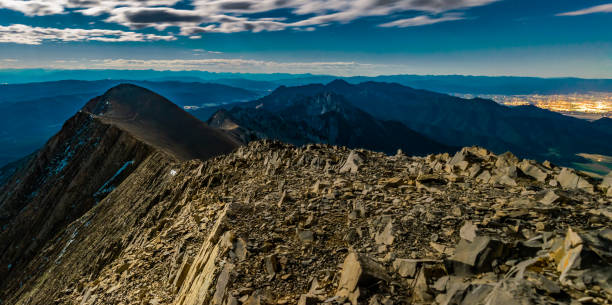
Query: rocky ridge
[
  {"x": 277, "y": 224},
  {"x": 45, "y": 194}
]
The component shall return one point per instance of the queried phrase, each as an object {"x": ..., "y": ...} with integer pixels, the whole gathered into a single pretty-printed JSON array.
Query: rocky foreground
[{"x": 276, "y": 224}]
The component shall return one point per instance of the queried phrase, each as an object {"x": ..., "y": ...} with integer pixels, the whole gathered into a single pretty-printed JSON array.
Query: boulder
[
  {"x": 578, "y": 251},
  {"x": 506, "y": 159},
  {"x": 408, "y": 267},
  {"x": 352, "y": 163},
  {"x": 468, "y": 231},
  {"x": 386, "y": 236},
  {"x": 484, "y": 177},
  {"x": 476, "y": 256},
  {"x": 550, "y": 197},
  {"x": 606, "y": 185},
  {"x": 305, "y": 236},
  {"x": 569, "y": 180},
  {"x": 359, "y": 271},
  {"x": 405, "y": 267},
  {"x": 531, "y": 169}
]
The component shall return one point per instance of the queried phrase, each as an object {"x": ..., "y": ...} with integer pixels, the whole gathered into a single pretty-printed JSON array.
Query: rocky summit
[{"x": 273, "y": 223}]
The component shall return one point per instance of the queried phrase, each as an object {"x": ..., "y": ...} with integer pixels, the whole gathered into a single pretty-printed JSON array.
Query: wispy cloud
[
  {"x": 35, "y": 7},
  {"x": 24, "y": 34},
  {"x": 604, "y": 8},
  {"x": 202, "y": 51},
  {"x": 230, "y": 65},
  {"x": 422, "y": 20},
  {"x": 230, "y": 16}
]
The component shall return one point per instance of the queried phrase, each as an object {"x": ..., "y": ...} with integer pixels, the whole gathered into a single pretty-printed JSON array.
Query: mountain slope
[
  {"x": 93, "y": 153},
  {"x": 272, "y": 223},
  {"x": 158, "y": 122},
  {"x": 77, "y": 167},
  {"x": 323, "y": 118}
]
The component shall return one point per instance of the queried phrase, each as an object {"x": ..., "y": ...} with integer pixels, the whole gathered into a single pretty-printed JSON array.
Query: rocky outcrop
[
  {"x": 77, "y": 167},
  {"x": 606, "y": 184},
  {"x": 277, "y": 224},
  {"x": 96, "y": 150}
]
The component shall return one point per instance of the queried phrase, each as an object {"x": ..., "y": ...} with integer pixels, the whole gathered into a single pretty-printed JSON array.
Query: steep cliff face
[
  {"x": 275, "y": 224},
  {"x": 93, "y": 153},
  {"x": 77, "y": 167}
]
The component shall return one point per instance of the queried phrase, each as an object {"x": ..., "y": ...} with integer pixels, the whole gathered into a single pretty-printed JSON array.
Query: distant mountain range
[
  {"x": 31, "y": 113},
  {"x": 340, "y": 113},
  {"x": 528, "y": 131},
  {"x": 182, "y": 93},
  {"x": 463, "y": 84},
  {"x": 323, "y": 118}
]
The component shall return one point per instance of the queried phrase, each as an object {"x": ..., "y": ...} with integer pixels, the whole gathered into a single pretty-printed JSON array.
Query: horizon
[
  {"x": 339, "y": 76},
  {"x": 548, "y": 39}
]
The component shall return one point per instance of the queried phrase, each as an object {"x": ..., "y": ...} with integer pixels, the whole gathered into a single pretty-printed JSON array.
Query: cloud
[
  {"x": 231, "y": 65},
  {"x": 202, "y": 51},
  {"x": 35, "y": 7},
  {"x": 24, "y": 34},
  {"x": 421, "y": 20},
  {"x": 230, "y": 16},
  {"x": 604, "y": 8},
  {"x": 159, "y": 18}
]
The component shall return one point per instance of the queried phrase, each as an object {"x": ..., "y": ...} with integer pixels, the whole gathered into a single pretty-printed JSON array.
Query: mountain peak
[
  {"x": 159, "y": 122},
  {"x": 338, "y": 83},
  {"x": 124, "y": 98}
]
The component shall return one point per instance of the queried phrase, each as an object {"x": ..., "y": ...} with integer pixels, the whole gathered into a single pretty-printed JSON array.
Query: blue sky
[{"x": 343, "y": 37}]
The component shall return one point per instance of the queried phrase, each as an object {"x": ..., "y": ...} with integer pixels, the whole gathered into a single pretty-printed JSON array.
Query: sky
[{"x": 547, "y": 38}]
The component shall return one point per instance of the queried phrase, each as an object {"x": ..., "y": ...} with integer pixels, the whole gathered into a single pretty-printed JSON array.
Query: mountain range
[
  {"x": 466, "y": 84},
  {"x": 388, "y": 109},
  {"x": 526, "y": 130},
  {"x": 135, "y": 201},
  {"x": 322, "y": 118}
]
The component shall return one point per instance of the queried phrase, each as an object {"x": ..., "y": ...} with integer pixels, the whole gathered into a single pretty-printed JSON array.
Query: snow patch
[
  {"x": 173, "y": 172},
  {"x": 72, "y": 237},
  {"x": 106, "y": 187}
]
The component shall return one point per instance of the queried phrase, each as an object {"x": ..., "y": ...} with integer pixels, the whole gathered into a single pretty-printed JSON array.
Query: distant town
[{"x": 591, "y": 106}]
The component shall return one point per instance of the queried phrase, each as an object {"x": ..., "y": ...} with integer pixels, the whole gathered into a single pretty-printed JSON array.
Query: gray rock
[
  {"x": 352, "y": 163},
  {"x": 405, "y": 267},
  {"x": 468, "y": 231},
  {"x": 549, "y": 198},
  {"x": 308, "y": 299},
  {"x": 306, "y": 236},
  {"x": 606, "y": 184},
  {"x": 506, "y": 159},
  {"x": 571, "y": 181},
  {"x": 271, "y": 264},
  {"x": 476, "y": 256},
  {"x": 484, "y": 177},
  {"x": 386, "y": 236},
  {"x": 530, "y": 168},
  {"x": 358, "y": 269}
]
